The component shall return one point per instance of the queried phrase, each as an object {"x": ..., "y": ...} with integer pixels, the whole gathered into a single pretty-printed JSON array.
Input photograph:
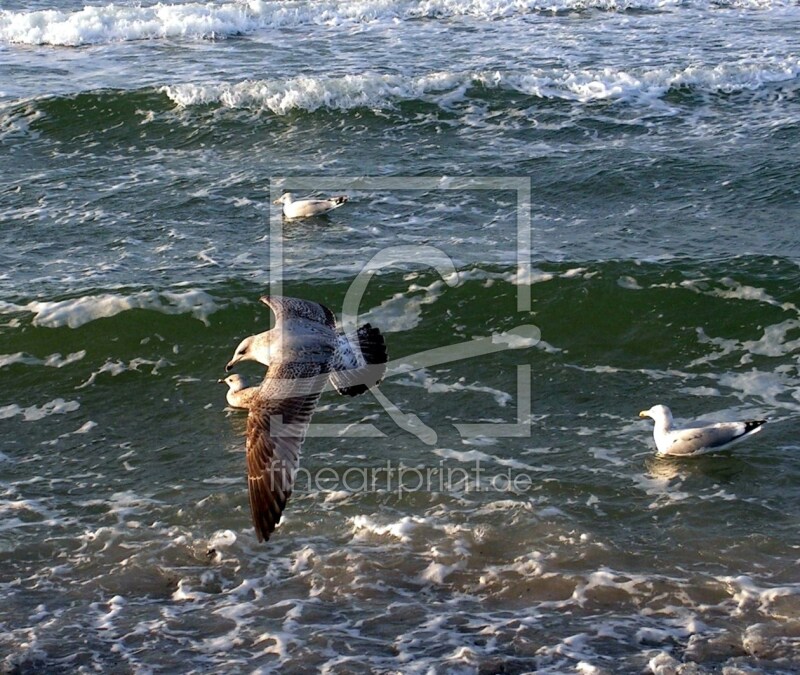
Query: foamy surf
[
  {"x": 650, "y": 142},
  {"x": 76, "y": 312},
  {"x": 35, "y": 413},
  {"x": 114, "y": 23},
  {"x": 447, "y": 89}
]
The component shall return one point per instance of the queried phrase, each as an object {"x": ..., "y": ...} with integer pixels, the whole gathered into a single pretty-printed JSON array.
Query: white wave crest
[
  {"x": 402, "y": 529},
  {"x": 312, "y": 93},
  {"x": 643, "y": 85},
  {"x": 79, "y": 311},
  {"x": 51, "y": 361},
  {"x": 113, "y": 23},
  {"x": 35, "y": 413},
  {"x": 194, "y": 20},
  {"x": 445, "y": 89}
]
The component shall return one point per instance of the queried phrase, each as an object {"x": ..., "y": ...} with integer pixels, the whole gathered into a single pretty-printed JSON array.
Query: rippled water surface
[{"x": 645, "y": 150}]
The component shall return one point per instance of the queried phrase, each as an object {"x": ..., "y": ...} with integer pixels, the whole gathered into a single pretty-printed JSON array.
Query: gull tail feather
[
  {"x": 372, "y": 364},
  {"x": 751, "y": 426}
]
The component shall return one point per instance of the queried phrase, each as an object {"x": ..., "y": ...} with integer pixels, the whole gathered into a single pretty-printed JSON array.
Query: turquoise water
[{"x": 140, "y": 147}]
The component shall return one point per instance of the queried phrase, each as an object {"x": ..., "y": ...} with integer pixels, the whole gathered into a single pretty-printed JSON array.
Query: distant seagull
[
  {"x": 304, "y": 208},
  {"x": 303, "y": 352},
  {"x": 699, "y": 439},
  {"x": 240, "y": 393}
]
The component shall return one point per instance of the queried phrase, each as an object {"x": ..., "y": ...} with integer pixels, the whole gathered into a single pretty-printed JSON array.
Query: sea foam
[
  {"x": 76, "y": 312},
  {"x": 35, "y": 413},
  {"x": 447, "y": 88},
  {"x": 194, "y": 20}
]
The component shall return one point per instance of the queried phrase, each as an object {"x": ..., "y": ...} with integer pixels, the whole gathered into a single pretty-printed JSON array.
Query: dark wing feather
[
  {"x": 276, "y": 427},
  {"x": 359, "y": 361},
  {"x": 296, "y": 308}
]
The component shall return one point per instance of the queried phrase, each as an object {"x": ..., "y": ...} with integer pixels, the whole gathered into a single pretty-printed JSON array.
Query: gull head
[
  {"x": 235, "y": 382},
  {"x": 659, "y": 413},
  {"x": 254, "y": 348},
  {"x": 242, "y": 353},
  {"x": 285, "y": 198}
]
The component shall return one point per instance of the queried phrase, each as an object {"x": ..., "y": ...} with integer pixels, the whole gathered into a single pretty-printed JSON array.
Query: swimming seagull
[
  {"x": 303, "y": 352},
  {"x": 304, "y": 208},
  {"x": 699, "y": 439},
  {"x": 240, "y": 393}
]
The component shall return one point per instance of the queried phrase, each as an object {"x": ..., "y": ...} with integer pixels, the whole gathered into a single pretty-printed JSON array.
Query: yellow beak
[{"x": 643, "y": 414}]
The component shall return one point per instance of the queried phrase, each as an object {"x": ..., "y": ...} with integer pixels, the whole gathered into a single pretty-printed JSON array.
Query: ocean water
[{"x": 609, "y": 191}]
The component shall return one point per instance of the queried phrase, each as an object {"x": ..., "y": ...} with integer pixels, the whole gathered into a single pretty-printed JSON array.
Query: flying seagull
[
  {"x": 303, "y": 352},
  {"x": 240, "y": 393},
  {"x": 696, "y": 440},
  {"x": 304, "y": 208}
]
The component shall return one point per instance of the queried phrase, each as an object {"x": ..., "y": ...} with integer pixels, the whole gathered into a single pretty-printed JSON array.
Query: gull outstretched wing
[{"x": 276, "y": 427}]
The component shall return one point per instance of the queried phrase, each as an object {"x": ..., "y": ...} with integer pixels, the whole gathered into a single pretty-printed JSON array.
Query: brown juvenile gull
[
  {"x": 696, "y": 440},
  {"x": 240, "y": 393},
  {"x": 305, "y": 208},
  {"x": 302, "y": 353}
]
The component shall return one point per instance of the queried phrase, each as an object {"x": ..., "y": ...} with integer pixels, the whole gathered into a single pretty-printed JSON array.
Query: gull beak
[
  {"x": 229, "y": 365},
  {"x": 277, "y": 201},
  {"x": 643, "y": 414},
  {"x": 221, "y": 381}
]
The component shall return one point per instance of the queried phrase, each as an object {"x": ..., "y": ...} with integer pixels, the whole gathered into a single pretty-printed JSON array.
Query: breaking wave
[
  {"x": 379, "y": 91},
  {"x": 193, "y": 20}
]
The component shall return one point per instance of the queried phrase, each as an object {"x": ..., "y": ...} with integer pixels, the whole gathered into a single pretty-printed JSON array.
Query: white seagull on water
[
  {"x": 699, "y": 439},
  {"x": 305, "y": 208},
  {"x": 303, "y": 352}
]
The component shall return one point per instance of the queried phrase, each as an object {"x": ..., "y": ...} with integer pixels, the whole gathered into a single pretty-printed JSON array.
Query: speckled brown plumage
[
  {"x": 300, "y": 352},
  {"x": 276, "y": 427}
]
